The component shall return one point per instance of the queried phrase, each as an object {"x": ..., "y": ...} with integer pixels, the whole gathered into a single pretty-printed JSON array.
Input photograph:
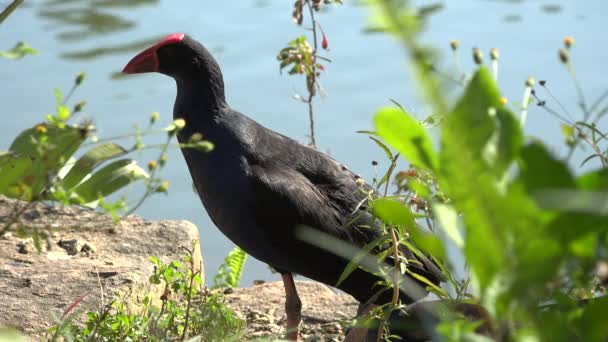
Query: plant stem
[
  {"x": 313, "y": 76},
  {"x": 17, "y": 214},
  {"x": 189, "y": 292},
  {"x": 9, "y": 9}
]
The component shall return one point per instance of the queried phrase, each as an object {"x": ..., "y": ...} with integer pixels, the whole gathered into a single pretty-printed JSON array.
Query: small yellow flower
[
  {"x": 504, "y": 101},
  {"x": 41, "y": 129},
  {"x": 568, "y": 41}
]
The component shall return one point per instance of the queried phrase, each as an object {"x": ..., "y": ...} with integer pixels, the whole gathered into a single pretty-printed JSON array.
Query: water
[{"x": 99, "y": 37}]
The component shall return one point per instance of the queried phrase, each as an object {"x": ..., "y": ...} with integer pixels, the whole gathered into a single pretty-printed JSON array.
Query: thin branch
[{"x": 9, "y": 9}]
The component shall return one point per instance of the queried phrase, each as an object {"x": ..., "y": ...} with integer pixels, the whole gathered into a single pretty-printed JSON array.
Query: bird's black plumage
[{"x": 259, "y": 186}]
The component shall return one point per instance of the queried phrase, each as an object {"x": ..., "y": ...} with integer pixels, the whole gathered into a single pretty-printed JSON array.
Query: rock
[
  {"x": 87, "y": 248},
  {"x": 72, "y": 246},
  {"x": 322, "y": 310},
  {"x": 35, "y": 286}
]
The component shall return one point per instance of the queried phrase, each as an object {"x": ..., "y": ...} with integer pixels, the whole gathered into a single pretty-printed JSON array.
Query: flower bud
[
  {"x": 154, "y": 117},
  {"x": 564, "y": 56},
  {"x": 41, "y": 129},
  {"x": 163, "y": 159},
  {"x": 494, "y": 55},
  {"x": 477, "y": 56},
  {"x": 79, "y": 78},
  {"x": 79, "y": 106},
  {"x": 203, "y": 146},
  {"x": 530, "y": 82},
  {"x": 454, "y": 44},
  {"x": 568, "y": 41},
  {"x": 151, "y": 165},
  {"x": 163, "y": 187},
  {"x": 196, "y": 137}
]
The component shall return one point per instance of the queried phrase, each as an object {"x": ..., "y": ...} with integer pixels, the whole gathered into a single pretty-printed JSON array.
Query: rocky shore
[{"x": 84, "y": 253}]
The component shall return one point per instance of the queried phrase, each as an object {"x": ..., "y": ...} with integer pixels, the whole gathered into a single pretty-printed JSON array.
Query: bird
[{"x": 259, "y": 186}]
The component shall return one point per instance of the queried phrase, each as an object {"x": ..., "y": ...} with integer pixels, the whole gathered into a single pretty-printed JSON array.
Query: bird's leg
[{"x": 293, "y": 307}]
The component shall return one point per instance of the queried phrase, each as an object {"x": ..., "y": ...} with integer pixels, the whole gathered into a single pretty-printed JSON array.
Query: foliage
[
  {"x": 40, "y": 164},
  {"x": 18, "y": 51},
  {"x": 532, "y": 232},
  {"x": 187, "y": 310},
  {"x": 302, "y": 58},
  {"x": 229, "y": 273}
]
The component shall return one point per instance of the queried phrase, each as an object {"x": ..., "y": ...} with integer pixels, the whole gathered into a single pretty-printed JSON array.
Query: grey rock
[
  {"x": 35, "y": 286},
  {"x": 322, "y": 310}
]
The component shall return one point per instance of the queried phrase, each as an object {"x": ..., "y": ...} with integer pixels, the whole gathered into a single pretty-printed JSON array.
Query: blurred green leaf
[
  {"x": 89, "y": 161},
  {"x": 110, "y": 178},
  {"x": 540, "y": 170},
  {"x": 9, "y": 335},
  {"x": 393, "y": 212},
  {"x": 407, "y": 135},
  {"x": 448, "y": 222},
  {"x": 354, "y": 263},
  {"x": 472, "y": 184},
  {"x": 15, "y": 178},
  {"x": 49, "y": 147},
  {"x": 593, "y": 323},
  {"x": 594, "y": 180},
  {"x": 18, "y": 51},
  {"x": 231, "y": 270},
  {"x": 510, "y": 139}
]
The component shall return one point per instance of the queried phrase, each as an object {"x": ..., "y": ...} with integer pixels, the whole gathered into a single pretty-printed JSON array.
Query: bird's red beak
[{"x": 147, "y": 60}]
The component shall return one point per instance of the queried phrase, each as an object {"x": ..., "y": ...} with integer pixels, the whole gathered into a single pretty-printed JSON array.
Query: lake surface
[{"x": 99, "y": 37}]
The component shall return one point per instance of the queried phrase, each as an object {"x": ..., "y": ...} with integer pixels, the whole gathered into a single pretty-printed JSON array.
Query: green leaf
[
  {"x": 354, "y": 263},
  {"x": 594, "y": 180},
  {"x": 89, "y": 161},
  {"x": 407, "y": 135},
  {"x": 384, "y": 148},
  {"x": 593, "y": 325},
  {"x": 490, "y": 216},
  {"x": 541, "y": 170},
  {"x": 510, "y": 139},
  {"x": 7, "y": 334},
  {"x": 49, "y": 147},
  {"x": 14, "y": 175},
  {"x": 230, "y": 272},
  {"x": 393, "y": 212},
  {"x": 109, "y": 179},
  {"x": 448, "y": 222},
  {"x": 472, "y": 113},
  {"x": 18, "y": 51}
]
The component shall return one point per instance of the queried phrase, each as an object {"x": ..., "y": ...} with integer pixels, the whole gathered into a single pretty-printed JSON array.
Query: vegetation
[
  {"x": 229, "y": 273},
  {"x": 187, "y": 310},
  {"x": 532, "y": 232}
]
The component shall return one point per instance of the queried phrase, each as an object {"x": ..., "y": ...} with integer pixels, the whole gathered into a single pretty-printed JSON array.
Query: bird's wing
[{"x": 288, "y": 198}]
